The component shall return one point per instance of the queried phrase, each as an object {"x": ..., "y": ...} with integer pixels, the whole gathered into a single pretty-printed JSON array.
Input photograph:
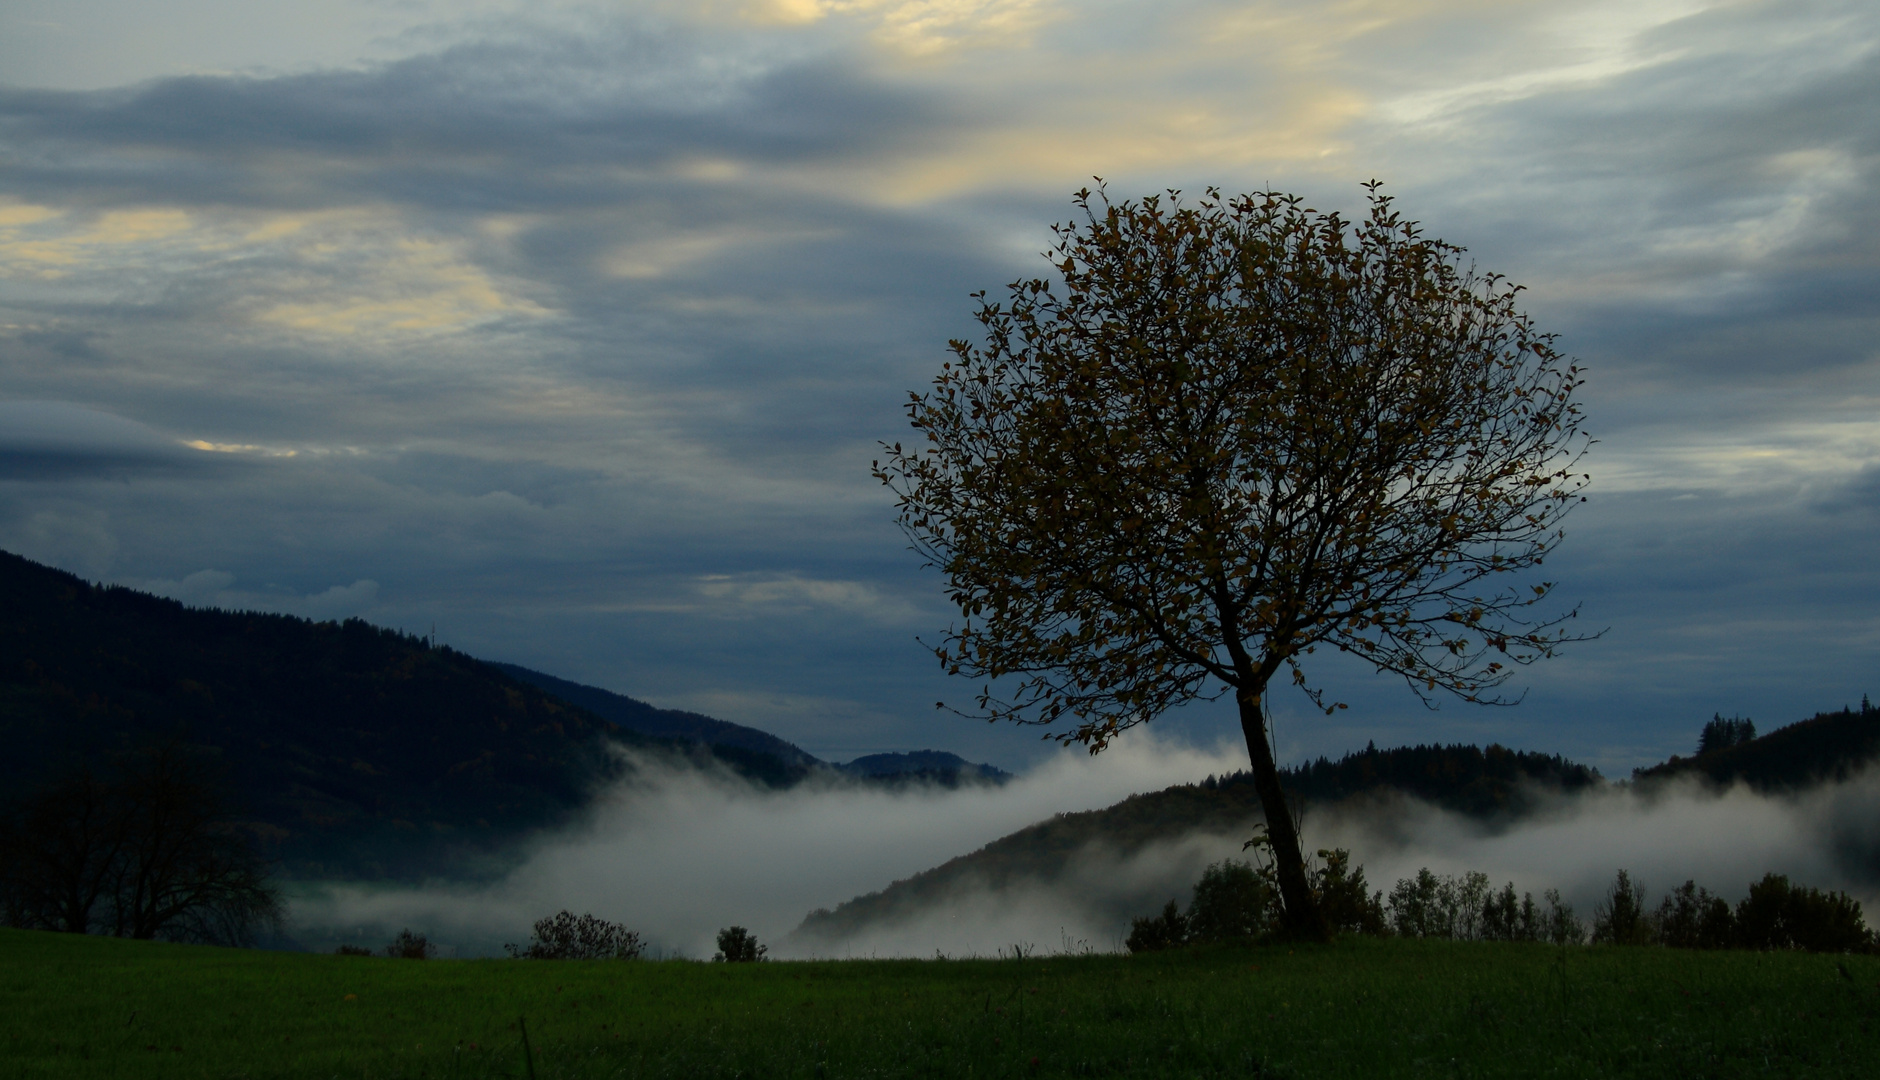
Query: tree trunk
[{"x": 1303, "y": 917}]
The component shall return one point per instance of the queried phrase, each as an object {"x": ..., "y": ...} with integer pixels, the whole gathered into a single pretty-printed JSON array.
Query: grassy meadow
[{"x": 100, "y": 1007}]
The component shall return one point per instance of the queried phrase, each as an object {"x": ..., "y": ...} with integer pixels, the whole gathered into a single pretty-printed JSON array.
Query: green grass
[{"x": 84, "y": 1007}]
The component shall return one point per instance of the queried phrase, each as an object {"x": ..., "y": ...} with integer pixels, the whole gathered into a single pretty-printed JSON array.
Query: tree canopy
[{"x": 1231, "y": 432}]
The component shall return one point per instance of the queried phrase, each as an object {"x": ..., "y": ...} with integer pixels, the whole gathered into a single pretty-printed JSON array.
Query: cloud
[
  {"x": 78, "y": 537},
  {"x": 55, "y": 440},
  {"x": 542, "y": 484},
  {"x": 769, "y": 597},
  {"x": 452, "y": 129},
  {"x": 339, "y": 601},
  {"x": 214, "y": 589},
  {"x": 565, "y": 311}
]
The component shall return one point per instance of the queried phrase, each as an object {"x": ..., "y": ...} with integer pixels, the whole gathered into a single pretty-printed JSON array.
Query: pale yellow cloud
[
  {"x": 1226, "y": 92},
  {"x": 134, "y": 227},
  {"x": 15, "y": 214},
  {"x": 364, "y": 273},
  {"x": 1795, "y": 457},
  {"x": 39, "y": 241},
  {"x": 238, "y": 448},
  {"x": 659, "y": 256},
  {"x": 919, "y": 27},
  {"x": 331, "y": 273},
  {"x": 1550, "y": 48},
  {"x": 410, "y": 286},
  {"x": 1175, "y": 135},
  {"x": 1244, "y": 92}
]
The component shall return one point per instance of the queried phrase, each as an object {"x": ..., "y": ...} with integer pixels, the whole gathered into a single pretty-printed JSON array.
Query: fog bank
[{"x": 677, "y": 855}]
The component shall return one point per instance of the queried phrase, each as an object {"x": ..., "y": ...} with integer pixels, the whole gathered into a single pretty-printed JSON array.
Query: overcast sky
[{"x": 572, "y": 328}]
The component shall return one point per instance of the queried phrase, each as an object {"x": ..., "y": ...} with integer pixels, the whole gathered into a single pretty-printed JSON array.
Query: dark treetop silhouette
[{"x": 1245, "y": 429}]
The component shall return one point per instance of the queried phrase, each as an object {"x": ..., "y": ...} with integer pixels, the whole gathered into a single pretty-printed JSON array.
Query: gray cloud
[
  {"x": 55, "y": 440},
  {"x": 561, "y": 326},
  {"x": 1699, "y": 223},
  {"x": 525, "y": 123},
  {"x": 214, "y": 589},
  {"x": 539, "y": 483}
]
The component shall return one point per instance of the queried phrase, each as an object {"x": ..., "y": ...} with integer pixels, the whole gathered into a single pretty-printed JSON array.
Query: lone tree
[{"x": 1244, "y": 429}]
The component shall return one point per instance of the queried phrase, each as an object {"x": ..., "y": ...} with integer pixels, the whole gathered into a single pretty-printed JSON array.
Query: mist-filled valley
[
  {"x": 677, "y": 855},
  {"x": 385, "y": 784}
]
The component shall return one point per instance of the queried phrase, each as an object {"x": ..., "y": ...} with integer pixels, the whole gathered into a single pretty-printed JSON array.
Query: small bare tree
[
  {"x": 145, "y": 850},
  {"x": 59, "y": 847},
  {"x": 1243, "y": 431}
]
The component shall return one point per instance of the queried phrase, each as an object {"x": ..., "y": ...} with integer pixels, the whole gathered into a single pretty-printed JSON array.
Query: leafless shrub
[{"x": 564, "y": 936}]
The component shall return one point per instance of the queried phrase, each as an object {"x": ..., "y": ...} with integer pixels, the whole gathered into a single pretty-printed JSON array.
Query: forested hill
[
  {"x": 1827, "y": 746},
  {"x": 1492, "y": 783},
  {"x": 351, "y": 750},
  {"x": 1467, "y": 779}
]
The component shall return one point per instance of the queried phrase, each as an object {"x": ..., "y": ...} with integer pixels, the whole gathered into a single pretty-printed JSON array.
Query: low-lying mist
[{"x": 677, "y": 854}]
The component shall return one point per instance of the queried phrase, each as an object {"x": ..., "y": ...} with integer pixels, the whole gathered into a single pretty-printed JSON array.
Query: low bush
[
  {"x": 565, "y": 936},
  {"x": 1232, "y": 902},
  {"x": 736, "y": 945},
  {"x": 410, "y": 946},
  {"x": 1165, "y": 931},
  {"x": 1240, "y": 901}
]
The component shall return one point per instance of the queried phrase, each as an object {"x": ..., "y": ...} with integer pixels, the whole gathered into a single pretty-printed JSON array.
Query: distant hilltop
[{"x": 931, "y": 765}]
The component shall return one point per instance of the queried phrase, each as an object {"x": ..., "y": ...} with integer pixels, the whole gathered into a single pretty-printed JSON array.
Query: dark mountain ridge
[{"x": 350, "y": 750}]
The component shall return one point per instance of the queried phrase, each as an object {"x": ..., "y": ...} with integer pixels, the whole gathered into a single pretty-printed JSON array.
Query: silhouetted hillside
[
  {"x": 1828, "y": 746},
  {"x": 1491, "y": 783},
  {"x": 352, "y": 750}
]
